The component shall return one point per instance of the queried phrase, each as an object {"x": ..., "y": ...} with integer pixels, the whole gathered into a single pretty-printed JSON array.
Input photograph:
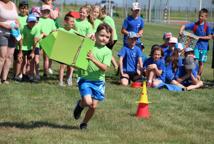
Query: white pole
[{"x": 200, "y": 4}]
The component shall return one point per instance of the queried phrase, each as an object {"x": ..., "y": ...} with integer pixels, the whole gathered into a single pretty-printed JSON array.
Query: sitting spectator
[
  {"x": 166, "y": 38},
  {"x": 129, "y": 58},
  {"x": 154, "y": 67}
]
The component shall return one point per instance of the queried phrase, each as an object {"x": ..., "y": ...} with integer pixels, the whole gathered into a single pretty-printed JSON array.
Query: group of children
[{"x": 169, "y": 63}]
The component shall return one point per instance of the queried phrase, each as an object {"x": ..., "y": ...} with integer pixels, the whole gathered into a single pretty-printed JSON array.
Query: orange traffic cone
[
  {"x": 142, "y": 111},
  {"x": 143, "y": 104}
]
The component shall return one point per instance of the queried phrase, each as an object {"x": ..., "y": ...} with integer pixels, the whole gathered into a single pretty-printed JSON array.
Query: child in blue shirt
[
  {"x": 133, "y": 23},
  {"x": 130, "y": 57},
  {"x": 154, "y": 67},
  {"x": 166, "y": 38},
  {"x": 203, "y": 31},
  {"x": 187, "y": 74}
]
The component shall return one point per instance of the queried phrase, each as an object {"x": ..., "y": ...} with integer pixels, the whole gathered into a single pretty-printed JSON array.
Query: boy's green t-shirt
[
  {"x": 83, "y": 27},
  {"x": 97, "y": 22},
  {"x": 46, "y": 25},
  {"x": 22, "y": 22},
  {"x": 28, "y": 36},
  {"x": 70, "y": 31},
  {"x": 111, "y": 23},
  {"x": 93, "y": 73}
]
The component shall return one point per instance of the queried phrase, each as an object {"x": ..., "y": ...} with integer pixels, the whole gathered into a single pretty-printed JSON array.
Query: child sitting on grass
[
  {"x": 92, "y": 81},
  {"x": 154, "y": 67},
  {"x": 130, "y": 56}
]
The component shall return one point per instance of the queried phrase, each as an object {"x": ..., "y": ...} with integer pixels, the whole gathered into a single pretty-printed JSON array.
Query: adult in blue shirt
[
  {"x": 133, "y": 23},
  {"x": 130, "y": 57}
]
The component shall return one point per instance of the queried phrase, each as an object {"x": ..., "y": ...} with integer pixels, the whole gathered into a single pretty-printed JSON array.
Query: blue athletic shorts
[
  {"x": 201, "y": 55},
  {"x": 96, "y": 89}
]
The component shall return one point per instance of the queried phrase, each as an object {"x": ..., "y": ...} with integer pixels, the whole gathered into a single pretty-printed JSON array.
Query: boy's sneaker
[
  {"x": 38, "y": 77},
  {"x": 50, "y": 71},
  {"x": 83, "y": 126},
  {"x": 77, "y": 110},
  {"x": 69, "y": 81}
]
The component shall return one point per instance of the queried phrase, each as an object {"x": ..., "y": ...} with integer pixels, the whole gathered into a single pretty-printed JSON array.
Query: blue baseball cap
[{"x": 31, "y": 18}]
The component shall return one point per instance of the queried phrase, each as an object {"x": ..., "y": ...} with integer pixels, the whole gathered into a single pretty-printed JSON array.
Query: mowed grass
[{"x": 42, "y": 113}]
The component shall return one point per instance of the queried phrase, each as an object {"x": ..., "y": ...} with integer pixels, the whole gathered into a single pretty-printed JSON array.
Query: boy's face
[
  {"x": 45, "y": 13},
  {"x": 23, "y": 10},
  {"x": 132, "y": 42},
  {"x": 135, "y": 12},
  {"x": 69, "y": 22},
  {"x": 203, "y": 17},
  {"x": 102, "y": 37},
  {"x": 31, "y": 24},
  {"x": 156, "y": 55}
]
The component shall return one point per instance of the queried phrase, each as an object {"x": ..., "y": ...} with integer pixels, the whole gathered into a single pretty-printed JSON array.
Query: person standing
[
  {"x": 133, "y": 23},
  {"x": 8, "y": 20}
]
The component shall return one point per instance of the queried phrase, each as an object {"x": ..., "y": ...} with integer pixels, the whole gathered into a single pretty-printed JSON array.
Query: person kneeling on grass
[
  {"x": 187, "y": 74},
  {"x": 130, "y": 57},
  {"x": 92, "y": 81}
]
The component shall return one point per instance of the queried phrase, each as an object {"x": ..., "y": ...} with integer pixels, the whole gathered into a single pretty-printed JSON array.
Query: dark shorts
[
  {"x": 25, "y": 53},
  {"x": 6, "y": 39},
  {"x": 134, "y": 77}
]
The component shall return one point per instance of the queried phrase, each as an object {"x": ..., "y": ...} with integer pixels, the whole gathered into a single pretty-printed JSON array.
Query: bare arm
[
  {"x": 124, "y": 31},
  {"x": 182, "y": 29}
]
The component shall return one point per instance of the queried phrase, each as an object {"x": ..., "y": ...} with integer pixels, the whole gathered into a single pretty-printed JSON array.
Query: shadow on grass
[
  {"x": 36, "y": 124},
  {"x": 209, "y": 84}
]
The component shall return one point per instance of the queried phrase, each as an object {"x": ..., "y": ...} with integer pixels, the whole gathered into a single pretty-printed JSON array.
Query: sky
[{"x": 174, "y": 4}]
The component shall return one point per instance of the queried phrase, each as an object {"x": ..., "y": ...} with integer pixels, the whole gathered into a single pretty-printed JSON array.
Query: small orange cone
[
  {"x": 142, "y": 111},
  {"x": 143, "y": 104}
]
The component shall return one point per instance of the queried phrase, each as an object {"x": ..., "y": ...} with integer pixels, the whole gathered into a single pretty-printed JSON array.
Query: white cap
[
  {"x": 188, "y": 49},
  {"x": 173, "y": 40},
  {"x": 180, "y": 46},
  {"x": 135, "y": 6}
]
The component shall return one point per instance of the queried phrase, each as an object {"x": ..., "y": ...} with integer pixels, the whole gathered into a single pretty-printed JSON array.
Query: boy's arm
[
  {"x": 124, "y": 31},
  {"x": 206, "y": 37},
  {"x": 182, "y": 29},
  {"x": 101, "y": 66}
]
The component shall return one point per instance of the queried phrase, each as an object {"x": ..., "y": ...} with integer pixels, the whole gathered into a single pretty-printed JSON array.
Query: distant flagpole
[{"x": 200, "y": 4}]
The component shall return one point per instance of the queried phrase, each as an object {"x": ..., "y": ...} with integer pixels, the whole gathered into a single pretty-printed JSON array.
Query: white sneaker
[
  {"x": 69, "y": 81},
  {"x": 50, "y": 71},
  {"x": 61, "y": 84}
]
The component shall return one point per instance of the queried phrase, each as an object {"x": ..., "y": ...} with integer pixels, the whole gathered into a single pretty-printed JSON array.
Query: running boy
[
  {"x": 92, "y": 82},
  {"x": 203, "y": 30}
]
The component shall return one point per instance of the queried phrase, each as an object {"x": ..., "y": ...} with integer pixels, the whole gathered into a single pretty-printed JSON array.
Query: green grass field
[{"x": 41, "y": 113}]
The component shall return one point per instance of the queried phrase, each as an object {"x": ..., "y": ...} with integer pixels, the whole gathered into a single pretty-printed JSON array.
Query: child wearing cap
[
  {"x": 129, "y": 58},
  {"x": 47, "y": 26},
  {"x": 203, "y": 31},
  {"x": 166, "y": 38},
  {"x": 68, "y": 27},
  {"x": 154, "y": 67},
  {"x": 30, "y": 37},
  {"x": 133, "y": 23},
  {"x": 187, "y": 75}
]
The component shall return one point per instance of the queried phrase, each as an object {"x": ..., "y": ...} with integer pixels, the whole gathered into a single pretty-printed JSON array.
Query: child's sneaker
[
  {"x": 77, "y": 110},
  {"x": 38, "y": 77},
  {"x": 50, "y": 71},
  {"x": 83, "y": 126},
  {"x": 61, "y": 83},
  {"x": 69, "y": 81}
]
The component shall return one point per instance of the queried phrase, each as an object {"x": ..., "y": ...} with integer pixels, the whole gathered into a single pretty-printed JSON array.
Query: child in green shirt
[
  {"x": 68, "y": 27},
  {"x": 47, "y": 26},
  {"x": 92, "y": 81}
]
